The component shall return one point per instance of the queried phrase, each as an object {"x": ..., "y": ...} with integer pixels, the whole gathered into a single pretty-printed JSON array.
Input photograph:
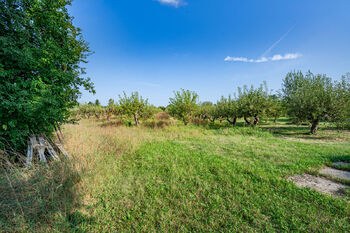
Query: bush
[
  {"x": 40, "y": 68},
  {"x": 162, "y": 116}
]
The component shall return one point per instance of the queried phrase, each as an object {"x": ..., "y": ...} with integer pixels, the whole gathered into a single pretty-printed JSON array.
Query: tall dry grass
[
  {"x": 44, "y": 198},
  {"x": 35, "y": 198}
]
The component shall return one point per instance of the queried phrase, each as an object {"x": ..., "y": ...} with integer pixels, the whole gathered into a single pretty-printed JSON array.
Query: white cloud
[
  {"x": 174, "y": 3},
  {"x": 277, "y": 57}
]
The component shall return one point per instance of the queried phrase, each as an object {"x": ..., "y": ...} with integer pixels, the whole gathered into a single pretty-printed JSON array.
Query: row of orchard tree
[
  {"x": 134, "y": 106},
  {"x": 304, "y": 98}
]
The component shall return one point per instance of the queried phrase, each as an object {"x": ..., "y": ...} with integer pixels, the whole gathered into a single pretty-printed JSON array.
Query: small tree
[
  {"x": 227, "y": 108},
  {"x": 97, "y": 102},
  {"x": 183, "y": 105},
  {"x": 275, "y": 107},
  {"x": 253, "y": 103},
  {"x": 342, "y": 120},
  {"x": 134, "y": 106},
  {"x": 207, "y": 110},
  {"x": 313, "y": 98},
  {"x": 110, "y": 102}
]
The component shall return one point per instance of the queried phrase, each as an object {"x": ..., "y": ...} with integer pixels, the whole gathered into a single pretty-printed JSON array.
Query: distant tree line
[{"x": 304, "y": 98}]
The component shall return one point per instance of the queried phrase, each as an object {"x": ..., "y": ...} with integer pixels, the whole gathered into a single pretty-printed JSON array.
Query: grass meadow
[{"x": 170, "y": 178}]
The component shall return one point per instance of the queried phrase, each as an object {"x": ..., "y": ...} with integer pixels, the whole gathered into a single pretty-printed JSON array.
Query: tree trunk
[
  {"x": 275, "y": 120},
  {"x": 136, "y": 120},
  {"x": 185, "y": 120},
  {"x": 256, "y": 120},
  {"x": 233, "y": 122},
  {"x": 314, "y": 126},
  {"x": 250, "y": 123}
]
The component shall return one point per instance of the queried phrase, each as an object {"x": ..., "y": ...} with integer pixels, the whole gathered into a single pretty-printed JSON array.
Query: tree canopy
[
  {"x": 253, "y": 103},
  {"x": 135, "y": 106},
  {"x": 183, "y": 105},
  {"x": 227, "y": 108},
  {"x": 314, "y": 98}
]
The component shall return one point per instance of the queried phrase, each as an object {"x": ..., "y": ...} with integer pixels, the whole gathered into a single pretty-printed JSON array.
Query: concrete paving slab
[
  {"x": 345, "y": 175},
  {"x": 318, "y": 183}
]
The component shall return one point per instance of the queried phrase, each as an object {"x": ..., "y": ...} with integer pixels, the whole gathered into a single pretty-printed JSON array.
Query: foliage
[
  {"x": 253, "y": 103},
  {"x": 111, "y": 102},
  {"x": 183, "y": 105},
  {"x": 89, "y": 110},
  {"x": 342, "y": 120},
  {"x": 314, "y": 98},
  {"x": 207, "y": 110},
  {"x": 41, "y": 52},
  {"x": 227, "y": 108},
  {"x": 135, "y": 106},
  {"x": 276, "y": 107}
]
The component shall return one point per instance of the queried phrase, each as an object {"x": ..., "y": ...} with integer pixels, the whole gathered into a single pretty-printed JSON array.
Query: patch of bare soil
[
  {"x": 318, "y": 183},
  {"x": 345, "y": 175}
]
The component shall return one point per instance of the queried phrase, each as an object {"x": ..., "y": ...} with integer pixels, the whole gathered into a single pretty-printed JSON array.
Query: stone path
[
  {"x": 345, "y": 175},
  {"x": 341, "y": 164},
  {"x": 322, "y": 184}
]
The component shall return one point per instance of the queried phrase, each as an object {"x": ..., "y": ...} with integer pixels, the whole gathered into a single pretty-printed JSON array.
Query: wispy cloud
[
  {"x": 277, "y": 57},
  {"x": 174, "y": 3}
]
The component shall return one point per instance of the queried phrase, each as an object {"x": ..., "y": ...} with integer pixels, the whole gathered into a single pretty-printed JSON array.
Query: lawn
[{"x": 194, "y": 178}]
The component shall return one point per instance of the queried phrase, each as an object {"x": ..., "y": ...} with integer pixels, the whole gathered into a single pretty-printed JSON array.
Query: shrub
[
  {"x": 162, "y": 116},
  {"x": 40, "y": 68}
]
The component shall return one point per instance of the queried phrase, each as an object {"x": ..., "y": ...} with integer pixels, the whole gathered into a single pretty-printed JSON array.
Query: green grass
[{"x": 202, "y": 179}]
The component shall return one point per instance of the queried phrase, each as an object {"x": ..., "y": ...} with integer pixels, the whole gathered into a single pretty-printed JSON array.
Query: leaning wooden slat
[
  {"x": 41, "y": 150},
  {"x": 51, "y": 151},
  {"x": 30, "y": 151},
  {"x": 63, "y": 151}
]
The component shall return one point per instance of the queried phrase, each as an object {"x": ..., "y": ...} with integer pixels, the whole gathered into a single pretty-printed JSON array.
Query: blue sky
[{"x": 158, "y": 46}]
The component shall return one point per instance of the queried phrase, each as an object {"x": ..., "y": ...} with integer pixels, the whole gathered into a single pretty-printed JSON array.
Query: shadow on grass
[
  {"x": 339, "y": 158},
  {"x": 40, "y": 199}
]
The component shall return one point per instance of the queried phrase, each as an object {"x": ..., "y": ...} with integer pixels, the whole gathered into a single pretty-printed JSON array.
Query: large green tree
[
  {"x": 41, "y": 53},
  {"x": 314, "y": 98}
]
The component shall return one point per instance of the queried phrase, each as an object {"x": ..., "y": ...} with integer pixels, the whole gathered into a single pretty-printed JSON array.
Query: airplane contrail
[{"x": 277, "y": 42}]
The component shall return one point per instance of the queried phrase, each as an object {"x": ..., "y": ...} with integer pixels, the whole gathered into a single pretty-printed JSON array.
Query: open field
[{"x": 194, "y": 178}]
